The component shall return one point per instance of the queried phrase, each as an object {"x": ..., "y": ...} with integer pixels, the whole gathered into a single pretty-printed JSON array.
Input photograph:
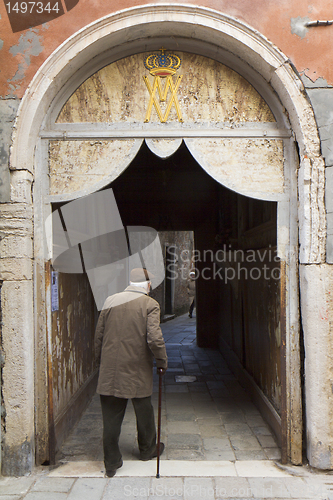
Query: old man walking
[{"x": 128, "y": 337}]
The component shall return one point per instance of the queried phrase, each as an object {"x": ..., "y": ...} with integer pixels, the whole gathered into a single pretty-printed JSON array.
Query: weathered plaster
[
  {"x": 298, "y": 26},
  {"x": 273, "y": 20},
  {"x": 29, "y": 45}
]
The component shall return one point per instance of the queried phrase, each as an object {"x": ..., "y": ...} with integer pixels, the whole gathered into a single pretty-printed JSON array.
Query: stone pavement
[
  {"x": 217, "y": 444},
  {"x": 209, "y": 418}
]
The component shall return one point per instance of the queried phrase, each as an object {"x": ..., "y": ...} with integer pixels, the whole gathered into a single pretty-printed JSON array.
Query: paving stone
[
  {"x": 177, "y": 388},
  {"x": 181, "y": 416},
  {"x": 216, "y": 444},
  {"x": 273, "y": 453},
  {"x": 184, "y": 441},
  {"x": 224, "y": 455},
  {"x": 232, "y": 487},
  {"x": 40, "y": 495},
  {"x": 268, "y": 488},
  {"x": 250, "y": 455},
  {"x": 60, "y": 485},
  {"x": 16, "y": 486},
  {"x": 299, "y": 487},
  {"x": 91, "y": 488},
  {"x": 199, "y": 388},
  {"x": 228, "y": 418},
  {"x": 10, "y": 497},
  {"x": 219, "y": 393},
  {"x": 174, "y": 454},
  {"x": 166, "y": 488},
  {"x": 195, "y": 489},
  {"x": 266, "y": 441},
  {"x": 238, "y": 429},
  {"x": 212, "y": 431},
  {"x": 180, "y": 427},
  {"x": 132, "y": 488},
  {"x": 262, "y": 431},
  {"x": 201, "y": 396},
  {"x": 245, "y": 443}
]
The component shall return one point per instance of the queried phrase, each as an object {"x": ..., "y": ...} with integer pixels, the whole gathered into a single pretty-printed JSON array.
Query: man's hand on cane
[{"x": 161, "y": 371}]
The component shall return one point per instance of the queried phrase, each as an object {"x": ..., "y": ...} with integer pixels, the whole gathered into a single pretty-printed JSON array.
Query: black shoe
[
  {"x": 189, "y": 315},
  {"x": 154, "y": 454},
  {"x": 112, "y": 472}
]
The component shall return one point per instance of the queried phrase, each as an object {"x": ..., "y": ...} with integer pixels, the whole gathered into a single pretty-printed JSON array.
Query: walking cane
[{"x": 159, "y": 421}]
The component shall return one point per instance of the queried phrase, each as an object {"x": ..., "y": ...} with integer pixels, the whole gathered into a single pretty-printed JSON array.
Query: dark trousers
[
  {"x": 113, "y": 411},
  {"x": 192, "y": 307}
]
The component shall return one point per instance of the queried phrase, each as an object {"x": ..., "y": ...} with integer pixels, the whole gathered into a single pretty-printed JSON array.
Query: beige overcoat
[{"x": 128, "y": 337}]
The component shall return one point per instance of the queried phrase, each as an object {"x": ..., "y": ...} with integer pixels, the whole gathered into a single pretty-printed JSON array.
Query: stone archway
[{"x": 207, "y": 33}]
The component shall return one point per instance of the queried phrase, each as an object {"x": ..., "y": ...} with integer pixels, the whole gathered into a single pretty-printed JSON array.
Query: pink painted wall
[{"x": 23, "y": 52}]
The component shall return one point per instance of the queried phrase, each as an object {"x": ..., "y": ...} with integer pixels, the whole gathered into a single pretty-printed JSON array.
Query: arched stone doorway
[
  {"x": 224, "y": 123},
  {"x": 227, "y": 42}
]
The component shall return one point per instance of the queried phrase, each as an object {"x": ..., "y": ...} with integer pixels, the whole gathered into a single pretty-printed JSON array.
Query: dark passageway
[{"x": 211, "y": 417}]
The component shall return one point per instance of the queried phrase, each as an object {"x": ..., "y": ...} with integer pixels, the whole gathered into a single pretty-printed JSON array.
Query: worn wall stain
[
  {"x": 242, "y": 164},
  {"x": 73, "y": 329},
  {"x": 78, "y": 165},
  {"x": 298, "y": 26},
  {"x": 30, "y": 45}
]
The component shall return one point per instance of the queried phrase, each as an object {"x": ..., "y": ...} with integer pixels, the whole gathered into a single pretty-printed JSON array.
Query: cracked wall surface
[{"x": 321, "y": 97}]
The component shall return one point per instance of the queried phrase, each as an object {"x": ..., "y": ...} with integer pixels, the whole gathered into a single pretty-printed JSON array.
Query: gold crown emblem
[{"x": 162, "y": 64}]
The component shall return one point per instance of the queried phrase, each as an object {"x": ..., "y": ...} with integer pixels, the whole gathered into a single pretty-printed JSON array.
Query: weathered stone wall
[{"x": 16, "y": 275}]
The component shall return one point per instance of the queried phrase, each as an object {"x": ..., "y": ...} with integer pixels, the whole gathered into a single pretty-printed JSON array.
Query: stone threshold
[{"x": 176, "y": 468}]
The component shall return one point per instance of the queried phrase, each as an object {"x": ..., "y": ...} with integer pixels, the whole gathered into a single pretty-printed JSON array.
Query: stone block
[
  {"x": 316, "y": 284},
  {"x": 15, "y": 269},
  {"x": 18, "y": 376},
  {"x": 20, "y": 186},
  {"x": 16, "y": 219},
  {"x": 8, "y": 110},
  {"x": 16, "y": 246}
]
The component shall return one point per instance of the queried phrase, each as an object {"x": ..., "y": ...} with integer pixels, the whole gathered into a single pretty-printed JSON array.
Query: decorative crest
[{"x": 162, "y": 64}]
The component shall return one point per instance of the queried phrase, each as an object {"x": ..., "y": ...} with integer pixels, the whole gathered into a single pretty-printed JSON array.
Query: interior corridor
[{"x": 205, "y": 416}]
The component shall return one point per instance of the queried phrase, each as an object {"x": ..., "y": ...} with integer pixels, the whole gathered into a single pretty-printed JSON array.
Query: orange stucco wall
[{"x": 23, "y": 52}]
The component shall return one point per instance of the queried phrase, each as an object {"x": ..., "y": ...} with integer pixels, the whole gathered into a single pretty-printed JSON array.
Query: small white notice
[{"x": 54, "y": 292}]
